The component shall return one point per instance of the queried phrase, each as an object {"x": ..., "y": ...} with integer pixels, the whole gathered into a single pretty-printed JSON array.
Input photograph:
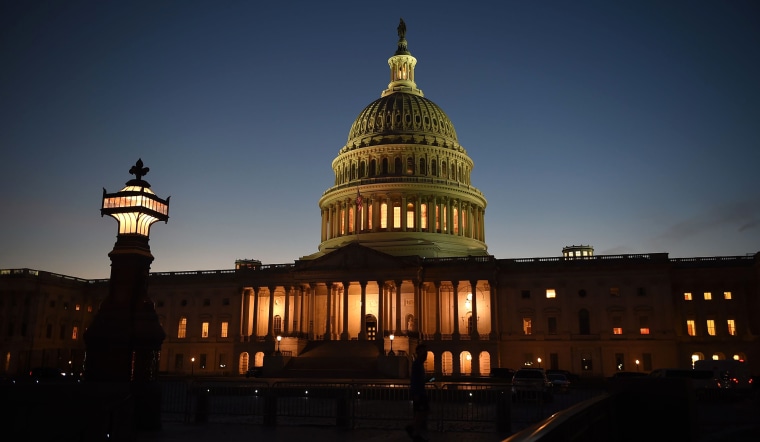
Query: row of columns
[
  {"x": 304, "y": 302},
  {"x": 347, "y": 218}
]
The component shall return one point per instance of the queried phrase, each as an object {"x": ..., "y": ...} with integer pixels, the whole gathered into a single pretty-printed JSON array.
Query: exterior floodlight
[
  {"x": 392, "y": 337},
  {"x": 135, "y": 206}
]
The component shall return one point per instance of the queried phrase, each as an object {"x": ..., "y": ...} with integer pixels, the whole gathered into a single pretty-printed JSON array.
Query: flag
[{"x": 358, "y": 200}]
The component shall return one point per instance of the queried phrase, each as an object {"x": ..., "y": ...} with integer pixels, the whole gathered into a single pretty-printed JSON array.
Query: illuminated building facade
[{"x": 402, "y": 252}]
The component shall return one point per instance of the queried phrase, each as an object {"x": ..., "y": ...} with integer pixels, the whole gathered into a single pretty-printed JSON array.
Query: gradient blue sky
[{"x": 633, "y": 126}]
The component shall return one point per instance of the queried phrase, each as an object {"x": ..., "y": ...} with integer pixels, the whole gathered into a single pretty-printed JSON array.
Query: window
[
  {"x": 89, "y": 309},
  {"x": 711, "y": 327},
  {"x": 551, "y": 293},
  {"x": 525, "y": 294},
  {"x": 225, "y": 327},
  {"x": 727, "y": 295},
  {"x": 644, "y": 325},
  {"x": 527, "y": 326},
  {"x": 687, "y": 296},
  {"x": 49, "y": 331},
  {"x": 206, "y": 302},
  {"x": 62, "y": 332},
  {"x": 277, "y": 324},
  {"x": 182, "y": 329},
  {"x": 423, "y": 217},
  {"x": 183, "y": 303},
  {"x": 615, "y": 291},
  {"x": 690, "y": 328},
  {"x": 584, "y": 322},
  {"x": 74, "y": 332},
  {"x": 641, "y": 291},
  {"x": 582, "y": 293},
  {"x": 708, "y": 296},
  {"x": 77, "y": 307},
  {"x": 646, "y": 359},
  {"x": 384, "y": 215},
  {"x": 731, "y": 327},
  {"x": 204, "y": 330},
  {"x": 202, "y": 361},
  {"x": 552, "y": 325},
  {"x": 617, "y": 325},
  {"x": 225, "y": 301},
  {"x": 410, "y": 216}
]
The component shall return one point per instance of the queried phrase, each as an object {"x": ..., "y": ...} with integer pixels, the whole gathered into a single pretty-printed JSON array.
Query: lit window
[
  {"x": 727, "y": 295},
  {"x": 551, "y": 293},
  {"x": 182, "y": 329},
  {"x": 77, "y": 307},
  {"x": 687, "y": 296},
  {"x": 396, "y": 217},
  {"x": 74, "y": 331},
  {"x": 384, "y": 215},
  {"x": 617, "y": 325},
  {"x": 89, "y": 309},
  {"x": 731, "y": 327},
  {"x": 708, "y": 296},
  {"x": 410, "y": 216},
  {"x": 225, "y": 327},
  {"x": 204, "y": 330},
  {"x": 690, "y": 328},
  {"x": 644, "y": 330},
  {"x": 527, "y": 326},
  {"x": 711, "y": 327},
  {"x": 423, "y": 217}
]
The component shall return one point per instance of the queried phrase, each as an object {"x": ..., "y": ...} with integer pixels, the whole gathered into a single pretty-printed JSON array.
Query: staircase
[{"x": 335, "y": 360}]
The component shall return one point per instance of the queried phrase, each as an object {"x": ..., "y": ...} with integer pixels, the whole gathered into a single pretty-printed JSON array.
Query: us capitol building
[{"x": 403, "y": 258}]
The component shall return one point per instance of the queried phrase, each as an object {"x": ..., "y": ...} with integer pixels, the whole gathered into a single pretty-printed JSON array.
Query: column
[
  {"x": 328, "y": 311},
  {"x": 474, "y": 334},
  {"x": 403, "y": 213},
  {"x": 270, "y": 322},
  {"x": 286, "y": 316},
  {"x": 344, "y": 335},
  {"x": 398, "y": 307},
  {"x": 255, "y": 325},
  {"x": 437, "y": 335},
  {"x": 245, "y": 319},
  {"x": 363, "y": 329},
  {"x": 455, "y": 335}
]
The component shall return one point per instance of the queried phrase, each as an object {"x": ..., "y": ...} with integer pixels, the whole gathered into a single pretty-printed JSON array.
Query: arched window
[
  {"x": 410, "y": 166},
  {"x": 362, "y": 169},
  {"x": 372, "y": 167},
  {"x": 456, "y": 221},
  {"x": 444, "y": 170},
  {"x": 584, "y": 323},
  {"x": 277, "y": 324},
  {"x": 423, "y": 216},
  {"x": 353, "y": 172},
  {"x": 397, "y": 166},
  {"x": 410, "y": 216},
  {"x": 385, "y": 166},
  {"x": 423, "y": 170},
  {"x": 434, "y": 168},
  {"x": 383, "y": 215}
]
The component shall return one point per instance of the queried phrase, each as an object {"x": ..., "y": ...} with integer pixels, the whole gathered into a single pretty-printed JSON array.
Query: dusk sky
[{"x": 632, "y": 126}]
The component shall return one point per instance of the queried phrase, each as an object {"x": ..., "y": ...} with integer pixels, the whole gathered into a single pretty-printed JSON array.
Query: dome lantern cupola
[{"x": 402, "y": 67}]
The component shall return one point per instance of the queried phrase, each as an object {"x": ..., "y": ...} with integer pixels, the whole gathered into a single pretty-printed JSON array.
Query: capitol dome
[{"x": 402, "y": 180}]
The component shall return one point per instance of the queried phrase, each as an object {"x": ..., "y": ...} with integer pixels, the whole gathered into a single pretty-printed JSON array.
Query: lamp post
[
  {"x": 123, "y": 342},
  {"x": 637, "y": 365},
  {"x": 279, "y": 338},
  {"x": 392, "y": 337},
  {"x": 539, "y": 362},
  {"x": 192, "y": 366}
]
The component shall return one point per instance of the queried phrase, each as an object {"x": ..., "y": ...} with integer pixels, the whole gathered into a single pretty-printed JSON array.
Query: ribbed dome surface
[{"x": 401, "y": 113}]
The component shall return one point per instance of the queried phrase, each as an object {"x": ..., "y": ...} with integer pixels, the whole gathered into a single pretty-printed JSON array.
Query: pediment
[{"x": 355, "y": 256}]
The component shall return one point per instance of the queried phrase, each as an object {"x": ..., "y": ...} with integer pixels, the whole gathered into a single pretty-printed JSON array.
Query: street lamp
[
  {"x": 539, "y": 362},
  {"x": 637, "y": 365},
  {"x": 192, "y": 366},
  {"x": 279, "y": 338},
  {"x": 694, "y": 359},
  {"x": 392, "y": 337}
]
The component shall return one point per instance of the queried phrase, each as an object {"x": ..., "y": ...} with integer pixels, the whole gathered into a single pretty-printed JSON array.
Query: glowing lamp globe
[{"x": 135, "y": 207}]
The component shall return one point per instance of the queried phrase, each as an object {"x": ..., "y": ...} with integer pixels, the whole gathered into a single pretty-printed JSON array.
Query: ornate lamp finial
[{"x": 138, "y": 170}]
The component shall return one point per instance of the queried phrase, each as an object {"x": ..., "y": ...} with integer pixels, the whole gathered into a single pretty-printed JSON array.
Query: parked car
[
  {"x": 701, "y": 381},
  {"x": 502, "y": 373},
  {"x": 559, "y": 381},
  {"x": 42, "y": 374},
  {"x": 570, "y": 376},
  {"x": 531, "y": 383}
]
